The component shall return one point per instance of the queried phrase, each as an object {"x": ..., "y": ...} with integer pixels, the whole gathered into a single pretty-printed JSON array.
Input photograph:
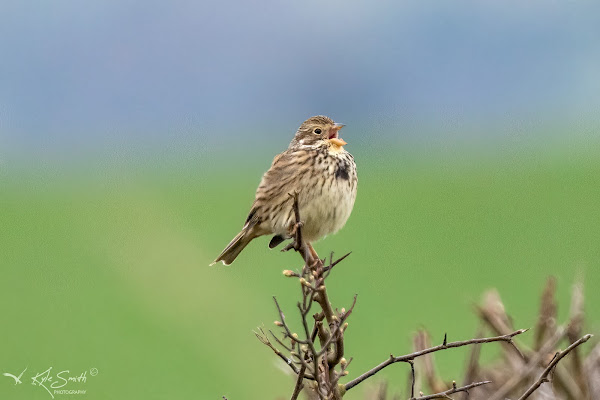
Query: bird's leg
[
  {"x": 313, "y": 253},
  {"x": 295, "y": 232}
]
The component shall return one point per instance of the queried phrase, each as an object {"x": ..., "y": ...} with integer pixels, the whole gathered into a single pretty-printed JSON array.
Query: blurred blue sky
[{"x": 81, "y": 75}]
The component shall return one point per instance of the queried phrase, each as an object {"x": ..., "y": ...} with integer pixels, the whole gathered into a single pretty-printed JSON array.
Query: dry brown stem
[
  {"x": 557, "y": 357},
  {"x": 446, "y": 394},
  {"x": 444, "y": 346}
]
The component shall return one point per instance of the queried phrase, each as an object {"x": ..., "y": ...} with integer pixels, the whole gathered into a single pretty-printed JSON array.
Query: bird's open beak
[{"x": 334, "y": 137}]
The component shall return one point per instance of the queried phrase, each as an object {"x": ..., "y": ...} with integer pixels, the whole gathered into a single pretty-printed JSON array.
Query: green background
[
  {"x": 107, "y": 266},
  {"x": 133, "y": 135}
]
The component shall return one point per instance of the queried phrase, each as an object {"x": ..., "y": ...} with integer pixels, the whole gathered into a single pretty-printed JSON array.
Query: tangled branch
[
  {"x": 316, "y": 357},
  {"x": 446, "y": 394},
  {"x": 557, "y": 357},
  {"x": 410, "y": 357}
]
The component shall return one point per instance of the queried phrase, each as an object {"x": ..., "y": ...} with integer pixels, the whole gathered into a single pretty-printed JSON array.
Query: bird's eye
[{"x": 317, "y": 131}]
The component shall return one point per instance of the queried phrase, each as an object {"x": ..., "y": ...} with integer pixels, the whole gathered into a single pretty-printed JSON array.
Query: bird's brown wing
[
  {"x": 272, "y": 203},
  {"x": 271, "y": 211}
]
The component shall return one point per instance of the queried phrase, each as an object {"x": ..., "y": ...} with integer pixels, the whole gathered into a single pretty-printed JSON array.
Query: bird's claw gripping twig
[
  {"x": 296, "y": 228},
  {"x": 295, "y": 232}
]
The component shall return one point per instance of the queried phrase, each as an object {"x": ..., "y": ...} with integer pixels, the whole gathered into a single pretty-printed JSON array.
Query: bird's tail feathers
[{"x": 233, "y": 249}]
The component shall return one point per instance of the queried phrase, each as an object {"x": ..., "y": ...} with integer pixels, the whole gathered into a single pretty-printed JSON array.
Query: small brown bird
[{"x": 315, "y": 165}]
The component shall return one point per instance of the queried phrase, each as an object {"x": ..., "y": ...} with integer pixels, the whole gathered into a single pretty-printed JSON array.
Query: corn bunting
[{"x": 321, "y": 171}]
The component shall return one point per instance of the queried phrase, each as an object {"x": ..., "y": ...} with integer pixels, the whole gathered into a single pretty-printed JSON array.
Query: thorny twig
[
  {"x": 529, "y": 368},
  {"x": 262, "y": 336},
  {"x": 412, "y": 374},
  {"x": 319, "y": 364},
  {"x": 443, "y": 346},
  {"x": 518, "y": 370},
  {"x": 446, "y": 394},
  {"x": 299, "y": 384},
  {"x": 557, "y": 357}
]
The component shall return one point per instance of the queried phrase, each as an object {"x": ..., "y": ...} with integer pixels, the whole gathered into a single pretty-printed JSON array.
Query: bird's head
[{"x": 318, "y": 131}]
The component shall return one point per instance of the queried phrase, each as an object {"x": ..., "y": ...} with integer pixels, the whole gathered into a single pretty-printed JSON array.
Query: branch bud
[
  {"x": 278, "y": 323},
  {"x": 343, "y": 362},
  {"x": 289, "y": 273},
  {"x": 305, "y": 282}
]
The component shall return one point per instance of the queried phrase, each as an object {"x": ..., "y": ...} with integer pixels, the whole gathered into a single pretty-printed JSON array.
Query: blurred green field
[{"x": 107, "y": 267}]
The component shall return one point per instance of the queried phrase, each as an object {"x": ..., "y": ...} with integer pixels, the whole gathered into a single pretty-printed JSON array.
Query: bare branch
[
  {"x": 328, "y": 268},
  {"x": 299, "y": 384},
  {"x": 531, "y": 367},
  {"x": 412, "y": 384},
  {"x": 504, "y": 338},
  {"x": 446, "y": 394},
  {"x": 338, "y": 333},
  {"x": 285, "y": 326},
  {"x": 557, "y": 357},
  {"x": 265, "y": 340},
  {"x": 279, "y": 341}
]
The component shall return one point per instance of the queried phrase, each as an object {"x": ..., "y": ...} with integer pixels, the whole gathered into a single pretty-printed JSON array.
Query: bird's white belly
[
  {"x": 327, "y": 213},
  {"x": 325, "y": 207},
  {"x": 325, "y": 199}
]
